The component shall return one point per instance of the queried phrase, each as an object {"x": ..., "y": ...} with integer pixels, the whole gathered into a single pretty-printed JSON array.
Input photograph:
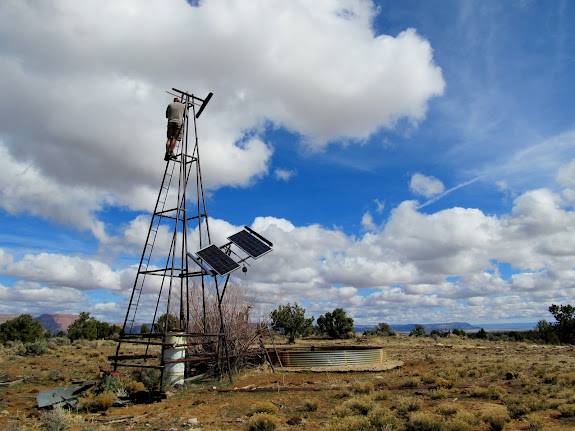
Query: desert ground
[{"x": 448, "y": 383}]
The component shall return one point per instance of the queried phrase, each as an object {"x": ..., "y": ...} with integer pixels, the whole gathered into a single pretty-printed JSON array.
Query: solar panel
[
  {"x": 250, "y": 244},
  {"x": 199, "y": 263},
  {"x": 218, "y": 260}
]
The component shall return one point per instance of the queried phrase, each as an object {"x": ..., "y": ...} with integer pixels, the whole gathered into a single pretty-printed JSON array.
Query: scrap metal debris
[{"x": 63, "y": 397}]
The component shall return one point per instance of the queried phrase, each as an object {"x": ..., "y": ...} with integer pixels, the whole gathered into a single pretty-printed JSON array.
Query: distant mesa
[
  {"x": 51, "y": 322},
  {"x": 56, "y": 322}
]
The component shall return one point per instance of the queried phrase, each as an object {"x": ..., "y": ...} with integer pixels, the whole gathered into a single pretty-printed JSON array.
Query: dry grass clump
[
  {"x": 428, "y": 378},
  {"x": 382, "y": 418},
  {"x": 439, "y": 393},
  {"x": 566, "y": 379},
  {"x": 349, "y": 423},
  {"x": 567, "y": 410},
  {"x": 534, "y": 425},
  {"x": 91, "y": 402},
  {"x": 263, "y": 422},
  {"x": 355, "y": 406},
  {"x": 263, "y": 407},
  {"x": 150, "y": 377},
  {"x": 495, "y": 392},
  {"x": 60, "y": 419},
  {"x": 444, "y": 383},
  {"x": 463, "y": 420},
  {"x": 492, "y": 392},
  {"x": 363, "y": 417},
  {"x": 456, "y": 424},
  {"x": 519, "y": 406},
  {"x": 446, "y": 409},
  {"x": 449, "y": 374},
  {"x": 425, "y": 421},
  {"x": 382, "y": 395},
  {"x": 341, "y": 394},
  {"x": 404, "y": 404},
  {"x": 362, "y": 387},
  {"x": 55, "y": 375},
  {"x": 134, "y": 387},
  {"x": 496, "y": 417},
  {"x": 467, "y": 416},
  {"x": 411, "y": 382},
  {"x": 310, "y": 405}
]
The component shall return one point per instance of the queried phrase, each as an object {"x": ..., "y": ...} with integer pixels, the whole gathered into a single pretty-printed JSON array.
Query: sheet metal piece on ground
[
  {"x": 218, "y": 260},
  {"x": 253, "y": 246},
  {"x": 63, "y": 397}
]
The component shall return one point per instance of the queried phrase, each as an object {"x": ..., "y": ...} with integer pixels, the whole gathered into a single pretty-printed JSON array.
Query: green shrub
[
  {"x": 21, "y": 328},
  {"x": 55, "y": 420},
  {"x": 58, "y": 341},
  {"x": 150, "y": 377},
  {"x": 262, "y": 422},
  {"x": 55, "y": 375},
  {"x": 113, "y": 384},
  {"x": 36, "y": 348},
  {"x": 60, "y": 420}
]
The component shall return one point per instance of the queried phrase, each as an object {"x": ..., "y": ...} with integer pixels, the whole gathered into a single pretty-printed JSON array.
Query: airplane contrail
[{"x": 446, "y": 192}]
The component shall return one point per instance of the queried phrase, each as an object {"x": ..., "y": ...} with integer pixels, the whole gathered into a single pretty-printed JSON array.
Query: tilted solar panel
[
  {"x": 218, "y": 260},
  {"x": 250, "y": 244}
]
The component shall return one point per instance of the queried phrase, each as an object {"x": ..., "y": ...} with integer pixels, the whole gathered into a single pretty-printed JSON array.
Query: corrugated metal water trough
[{"x": 330, "y": 356}]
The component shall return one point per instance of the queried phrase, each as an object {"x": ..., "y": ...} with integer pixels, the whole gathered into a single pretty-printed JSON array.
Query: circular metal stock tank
[
  {"x": 335, "y": 356},
  {"x": 175, "y": 371}
]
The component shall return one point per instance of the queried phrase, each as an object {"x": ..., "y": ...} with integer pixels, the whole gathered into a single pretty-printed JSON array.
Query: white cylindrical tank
[{"x": 174, "y": 373}]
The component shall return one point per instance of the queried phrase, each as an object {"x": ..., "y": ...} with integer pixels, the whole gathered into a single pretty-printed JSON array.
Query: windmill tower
[{"x": 178, "y": 263}]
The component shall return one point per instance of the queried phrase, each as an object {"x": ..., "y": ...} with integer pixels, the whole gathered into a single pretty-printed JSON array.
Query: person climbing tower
[{"x": 175, "y": 113}]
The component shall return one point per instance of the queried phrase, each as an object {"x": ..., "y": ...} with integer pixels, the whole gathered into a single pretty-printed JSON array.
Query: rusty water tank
[{"x": 329, "y": 356}]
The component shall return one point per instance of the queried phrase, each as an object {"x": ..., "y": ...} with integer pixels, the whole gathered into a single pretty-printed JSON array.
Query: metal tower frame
[{"x": 173, "y": 291}]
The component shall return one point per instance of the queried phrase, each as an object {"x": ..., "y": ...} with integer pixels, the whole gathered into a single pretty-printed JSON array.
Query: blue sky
[{"x": 410, "y": 162}]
